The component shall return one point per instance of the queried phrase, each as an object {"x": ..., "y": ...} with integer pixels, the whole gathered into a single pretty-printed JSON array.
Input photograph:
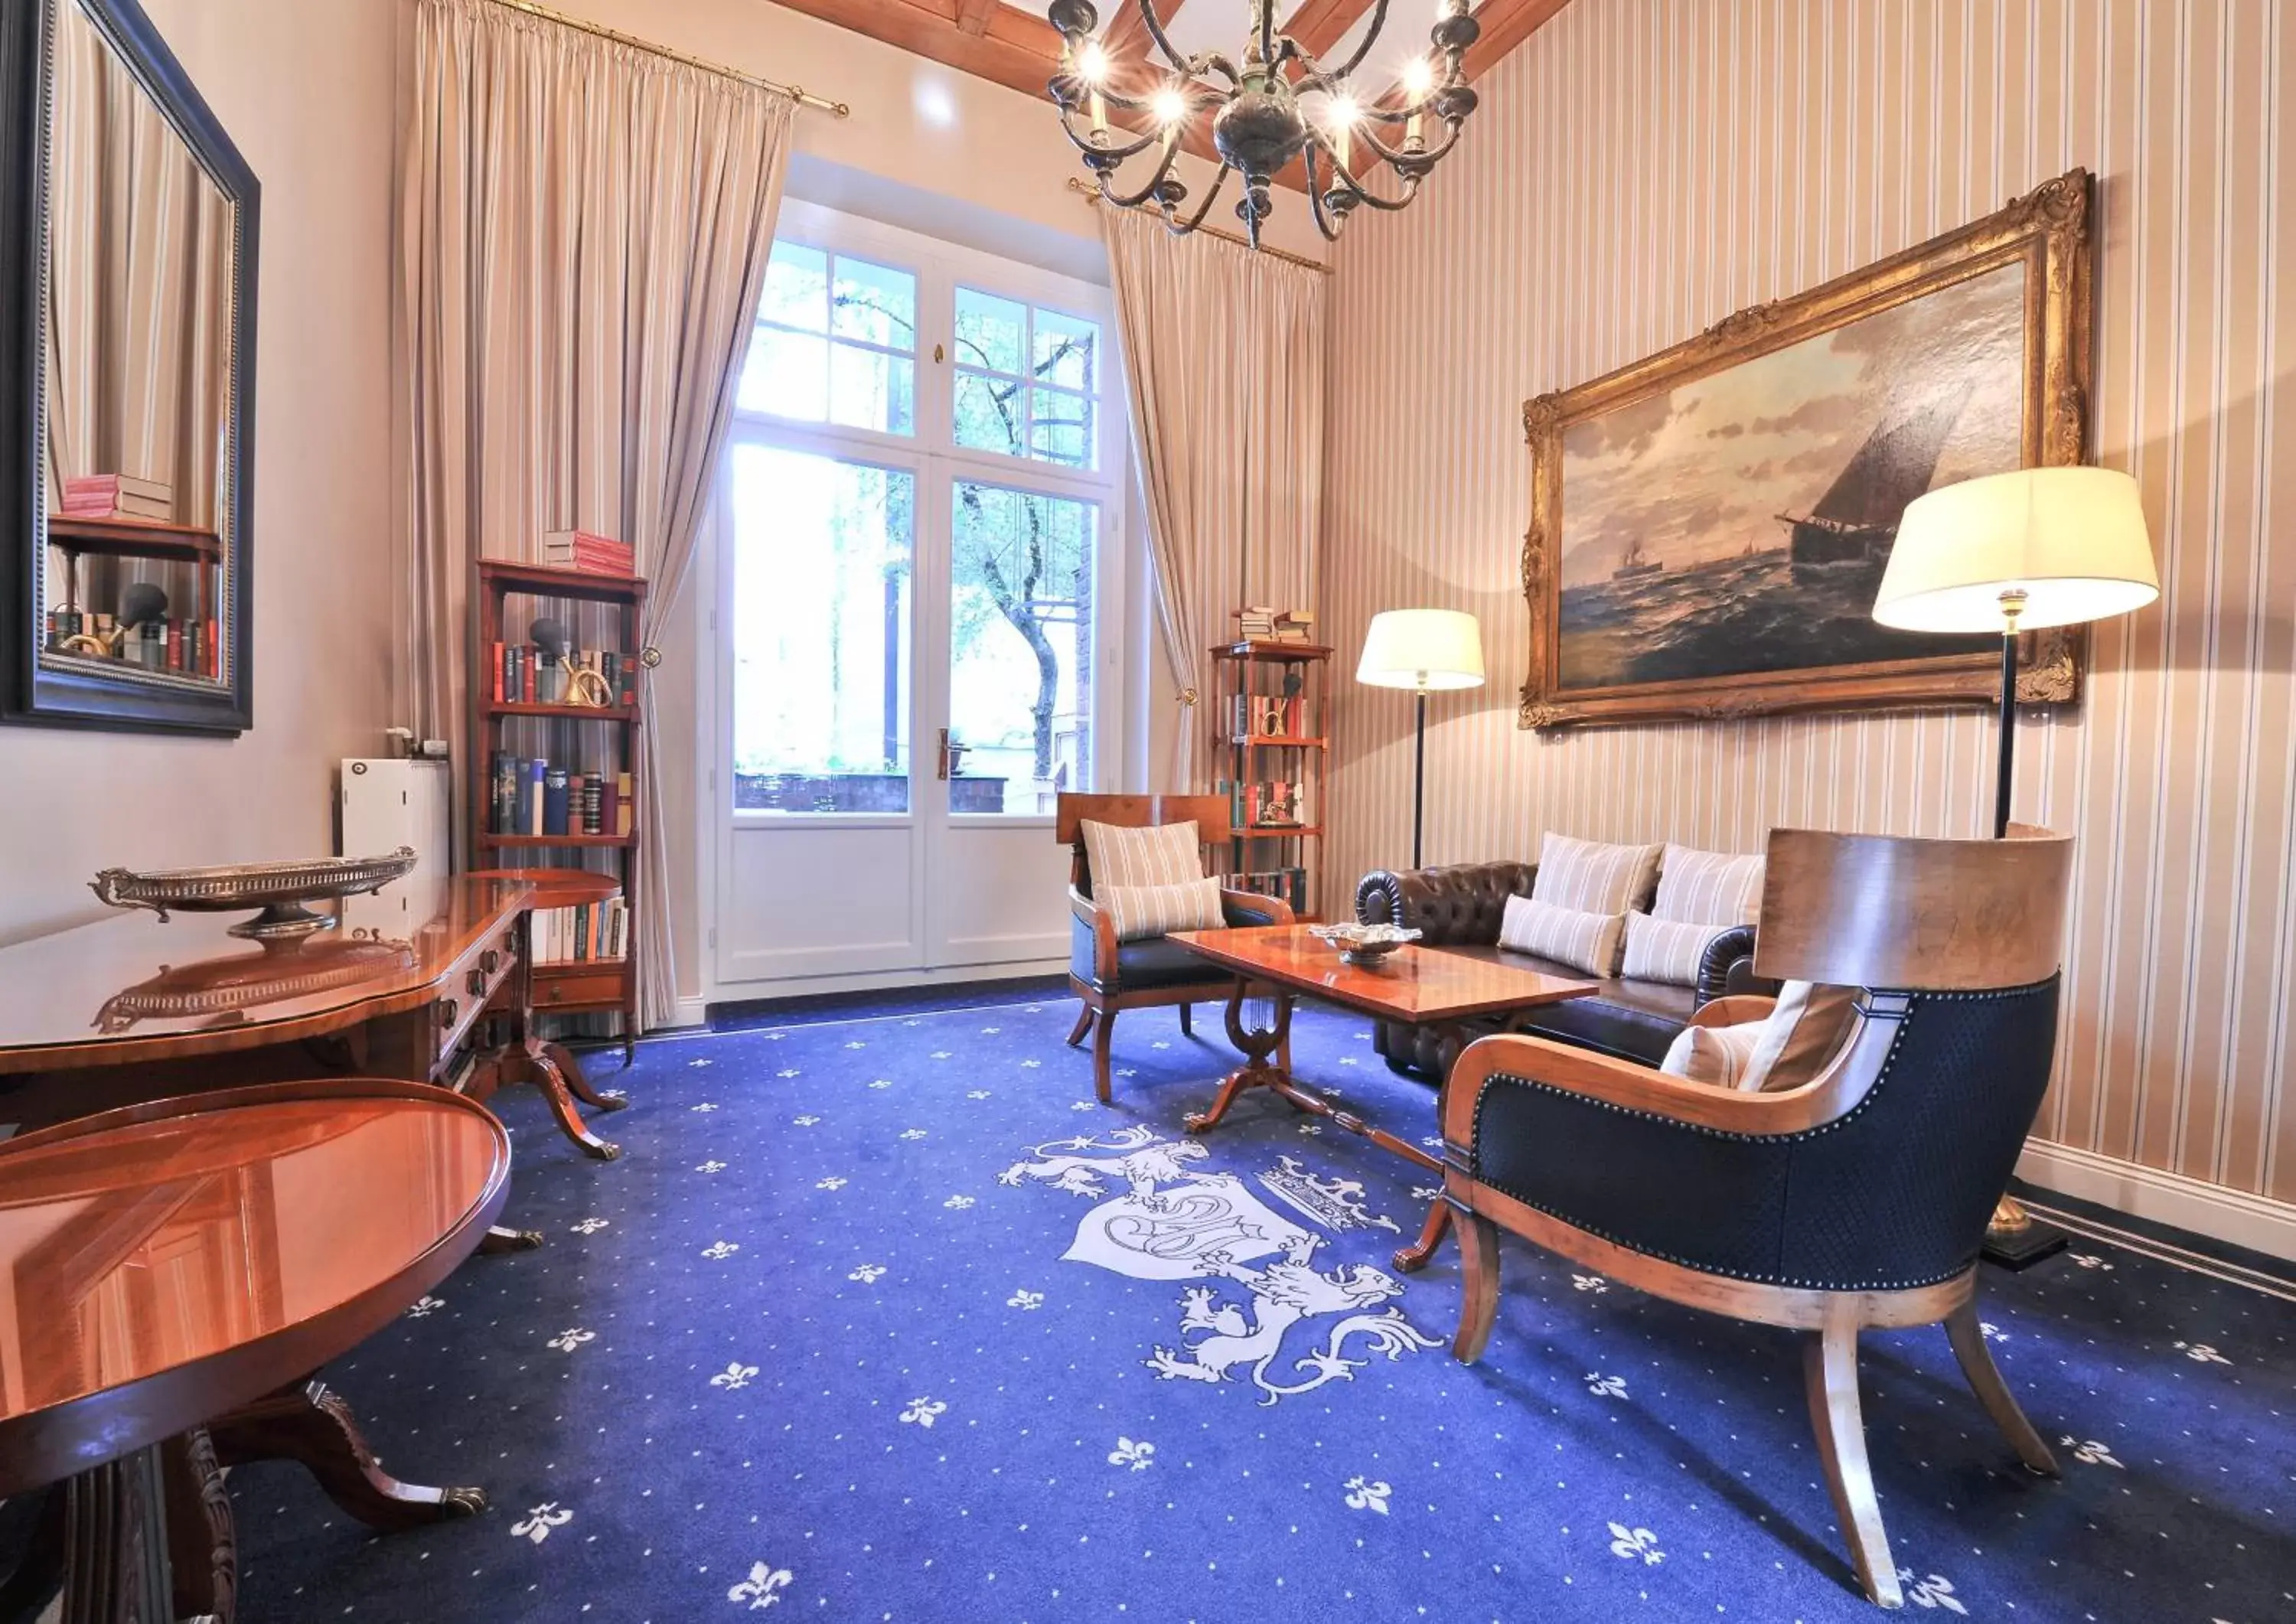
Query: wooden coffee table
[{"x": 1419, "y": 986}]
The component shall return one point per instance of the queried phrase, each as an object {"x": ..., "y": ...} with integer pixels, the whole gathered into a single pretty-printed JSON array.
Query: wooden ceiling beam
[
  {"x": 1506, "y": 24},
  {"x": 973, "y": 15},
  {"x": 1318, "y": 25}
]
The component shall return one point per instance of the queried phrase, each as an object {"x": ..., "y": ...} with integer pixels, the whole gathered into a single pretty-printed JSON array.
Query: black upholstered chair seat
[{"x": 1140, "y": 965}]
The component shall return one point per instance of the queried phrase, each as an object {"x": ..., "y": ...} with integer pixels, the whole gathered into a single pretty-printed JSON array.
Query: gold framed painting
[{"x": 1709, "y": 527}]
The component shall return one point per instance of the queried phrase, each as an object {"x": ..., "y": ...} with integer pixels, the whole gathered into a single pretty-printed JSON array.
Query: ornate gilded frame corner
[{"x": 2050, "y": 230}]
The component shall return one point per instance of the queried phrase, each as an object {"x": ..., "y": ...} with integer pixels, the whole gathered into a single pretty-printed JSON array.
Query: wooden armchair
[
  {"x": 1108, "y": 975},
  {"x": 1858, "y": 1199}
]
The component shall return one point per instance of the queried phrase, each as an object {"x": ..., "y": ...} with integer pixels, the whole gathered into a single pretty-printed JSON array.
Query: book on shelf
[
  {"x": 1290, "y": 884},
  {"x": 585, "y": 933},
  {"x": 589, "y": 552},
  {"x": 523, "y": 673},
  {"x": 1277, "y": 804},
  {"x": 116, "y": 495},
  {"x": 1283, "y": 715},
  {"x": 1265, "y": 623},
  {"x": 626, "y": 802}
]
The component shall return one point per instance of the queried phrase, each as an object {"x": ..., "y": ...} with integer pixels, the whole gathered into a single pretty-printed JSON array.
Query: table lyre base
[{"x": 1258, "y": 1044}]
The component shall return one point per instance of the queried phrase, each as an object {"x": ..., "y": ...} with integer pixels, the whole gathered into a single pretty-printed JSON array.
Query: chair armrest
[
  {"x": 1103, "y": 931},
  {"x": 1641, "y": 1090},
  {"x": 1459, "y": 906},
  {"x": 1735, "y": 1009},
  {"x": 1727, "y": 967},
  {"x": 1244, "y": 908}
]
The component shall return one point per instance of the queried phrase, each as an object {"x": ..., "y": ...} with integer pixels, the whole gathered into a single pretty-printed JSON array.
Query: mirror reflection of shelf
[
  {"x": 134, "y": 539},
  {"x": 186, "y": 652}
]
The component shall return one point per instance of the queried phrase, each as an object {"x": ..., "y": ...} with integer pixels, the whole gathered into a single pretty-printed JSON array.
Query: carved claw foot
[{"x": 499, "y": 1240}]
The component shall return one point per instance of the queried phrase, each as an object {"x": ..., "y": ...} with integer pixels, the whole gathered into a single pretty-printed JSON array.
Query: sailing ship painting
[{"x": 1739, "y": 523}]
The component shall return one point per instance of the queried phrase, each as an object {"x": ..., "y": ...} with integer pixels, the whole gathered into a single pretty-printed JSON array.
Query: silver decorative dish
[
  {"x": 1363, "y": 944},
  {"x": 279, "y": 888}
]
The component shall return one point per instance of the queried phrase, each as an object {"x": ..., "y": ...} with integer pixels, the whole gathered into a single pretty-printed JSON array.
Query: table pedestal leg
[
  {"x": 580, "y": 1087},
  {"x": 500, "y": 1238},
  {"x": 1256, "y": 1044},
  {"x": 309, "y": 1423}
]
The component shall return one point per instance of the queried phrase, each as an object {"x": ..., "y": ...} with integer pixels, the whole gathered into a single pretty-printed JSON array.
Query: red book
[
  {"x": 215, "y": 652},
  {"x": 498, "y": 673},
  {"x": 609, "y": 804}
]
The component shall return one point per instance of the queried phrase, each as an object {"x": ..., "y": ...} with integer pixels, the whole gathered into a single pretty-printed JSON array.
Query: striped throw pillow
[
  {"x": 1665, "y": 949},
  {"x": 1584, "y": 941},
  {"x": 1139, "y": 912},
  {"x": 1592, "y": 878},
  {"x": 1802, "y": 1035},
  {"x": 1715, "y": 1055},
  {"x": 1712, "y": 887},
  {"x": 1158, "y": 854}
]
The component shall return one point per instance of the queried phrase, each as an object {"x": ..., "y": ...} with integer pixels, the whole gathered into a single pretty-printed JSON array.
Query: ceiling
[{"x": 1010, "y": 43}]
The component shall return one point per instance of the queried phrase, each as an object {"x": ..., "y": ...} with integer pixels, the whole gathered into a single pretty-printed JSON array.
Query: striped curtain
[
  {"x": 1224, "y": 353},
  {"x": 584, "y": 235}
]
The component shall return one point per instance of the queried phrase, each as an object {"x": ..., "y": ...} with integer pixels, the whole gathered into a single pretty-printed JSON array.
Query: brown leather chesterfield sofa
[{"x": 1458, "y": 909}]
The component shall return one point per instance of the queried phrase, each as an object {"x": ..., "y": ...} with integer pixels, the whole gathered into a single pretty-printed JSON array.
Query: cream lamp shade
[
  {"x": 1428, "y": 649},
  {"x": 2073, "y": 541}
]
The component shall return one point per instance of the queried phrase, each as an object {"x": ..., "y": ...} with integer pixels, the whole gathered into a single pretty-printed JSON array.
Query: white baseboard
[
  {"x": 691, "y": 1012},
  {"x": 879, "y": 980},
  {"x": 2257, "y": 1222}
]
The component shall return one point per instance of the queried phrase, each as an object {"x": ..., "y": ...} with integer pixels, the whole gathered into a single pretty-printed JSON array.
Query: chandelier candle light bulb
[{"x": 1252, "y": 103}]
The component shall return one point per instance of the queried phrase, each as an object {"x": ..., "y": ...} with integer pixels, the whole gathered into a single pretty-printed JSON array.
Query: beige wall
[
  {"x": 1644, "y": 168},
  {"x": 305, "y": 91}
]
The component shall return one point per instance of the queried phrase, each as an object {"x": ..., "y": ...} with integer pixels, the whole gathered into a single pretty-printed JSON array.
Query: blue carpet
[{"x": 855, "y": 1328}]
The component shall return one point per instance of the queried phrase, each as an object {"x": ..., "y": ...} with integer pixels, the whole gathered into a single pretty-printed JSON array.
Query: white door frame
[{"x": 939, "y": 837}]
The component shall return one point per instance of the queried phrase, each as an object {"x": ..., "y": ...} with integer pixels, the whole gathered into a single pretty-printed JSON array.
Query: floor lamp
[
  {"x": 1428, "y": 650},
  {"x": 2015, "y": 553}
]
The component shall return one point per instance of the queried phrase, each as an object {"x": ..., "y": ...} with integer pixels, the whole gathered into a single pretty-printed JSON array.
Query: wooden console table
[
  {"x": 128, "y": 1009},
  {"x": 177, "y": 1272}
]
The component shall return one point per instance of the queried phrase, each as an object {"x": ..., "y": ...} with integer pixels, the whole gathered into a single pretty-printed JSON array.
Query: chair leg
[
  {"x": 1083, "y": 1025},
  {"x": 1479, "y": 1277},
  {"x": 1968, "y": 1338},
  {"x": 1187, "y": 1020},
  {"x": 1830, "y": 1373},
  {"x": 1101, "y": 1034}
]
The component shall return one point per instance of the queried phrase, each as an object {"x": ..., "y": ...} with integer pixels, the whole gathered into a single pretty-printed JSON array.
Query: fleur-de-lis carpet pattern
[{"x": 872, "y": 1322}]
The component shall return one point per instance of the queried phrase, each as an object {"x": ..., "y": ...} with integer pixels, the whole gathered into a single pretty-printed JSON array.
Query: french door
[{"x": 919, "y": 555}]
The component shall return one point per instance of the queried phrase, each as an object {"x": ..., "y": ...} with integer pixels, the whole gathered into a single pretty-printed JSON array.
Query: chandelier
[{"x": 1277, "y": 104}]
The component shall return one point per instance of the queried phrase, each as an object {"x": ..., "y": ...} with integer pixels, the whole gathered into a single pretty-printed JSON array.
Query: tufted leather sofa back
[{"x": 1458, "y": 906}]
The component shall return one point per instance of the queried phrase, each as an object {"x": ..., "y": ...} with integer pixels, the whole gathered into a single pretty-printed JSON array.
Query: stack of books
[
  {"x": 180, "y": 645},
  {"x": 1260, "y": 623},
  {"x": 525, "y": 674},
  {"x": 117, "y": 496},
  {"x": 532, "y": 796},
  {"x": 577, "y": 935},
  {"x": 589, "y": 552}
]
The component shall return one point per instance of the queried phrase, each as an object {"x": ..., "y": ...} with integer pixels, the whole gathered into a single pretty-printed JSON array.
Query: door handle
[{"x": 944, "y": 755}]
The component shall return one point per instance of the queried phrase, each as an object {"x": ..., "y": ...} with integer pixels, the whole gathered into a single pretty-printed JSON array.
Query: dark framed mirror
[{"x": 127, "y": 289}]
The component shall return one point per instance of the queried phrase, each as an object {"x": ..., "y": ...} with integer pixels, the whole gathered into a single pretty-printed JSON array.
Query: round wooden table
[{"x": 179, "y": 1271}]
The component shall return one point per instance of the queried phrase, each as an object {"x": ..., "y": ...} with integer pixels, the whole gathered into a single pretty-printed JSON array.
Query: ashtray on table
[{"x": 1364, "y": 945}]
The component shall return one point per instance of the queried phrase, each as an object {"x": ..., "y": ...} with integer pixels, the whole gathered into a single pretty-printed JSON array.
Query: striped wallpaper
[{"x": 1642, "y": 167}]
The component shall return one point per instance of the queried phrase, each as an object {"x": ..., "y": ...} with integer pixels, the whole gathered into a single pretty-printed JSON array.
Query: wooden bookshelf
[
  {"x": 587, "y": 735},
  {"x": 1268, "y": 669}
]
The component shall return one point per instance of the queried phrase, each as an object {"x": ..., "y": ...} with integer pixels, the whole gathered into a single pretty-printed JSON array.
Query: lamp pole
[
  {"x": 1419, "y": 772},
  {"x": 2012, "y": 605}
]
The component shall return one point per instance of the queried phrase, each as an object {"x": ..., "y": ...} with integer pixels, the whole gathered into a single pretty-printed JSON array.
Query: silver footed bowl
[
  {"x": 1363, "y": 944},
  {"x": 279, "y": 888}
]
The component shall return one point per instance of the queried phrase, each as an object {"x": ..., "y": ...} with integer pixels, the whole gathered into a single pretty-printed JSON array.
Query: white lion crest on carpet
[
  {"x": 1283, "y": 1294},
  {"x": 1175, "y": 1223}
]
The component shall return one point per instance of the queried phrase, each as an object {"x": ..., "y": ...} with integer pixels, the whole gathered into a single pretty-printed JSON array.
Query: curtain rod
[
  {"x": 795, "y": 92},
  {"x": 1091, "y": 195}
]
